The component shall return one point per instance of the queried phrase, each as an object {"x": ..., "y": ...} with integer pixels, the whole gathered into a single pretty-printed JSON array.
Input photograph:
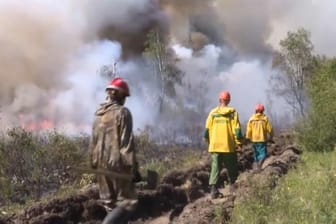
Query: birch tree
[
  {"x": 162, "y": 64},
  {"x": 295, "y": 64}
]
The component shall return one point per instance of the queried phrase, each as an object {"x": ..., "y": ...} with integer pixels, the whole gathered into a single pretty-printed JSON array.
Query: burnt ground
[{"x": 181, "y": 197}]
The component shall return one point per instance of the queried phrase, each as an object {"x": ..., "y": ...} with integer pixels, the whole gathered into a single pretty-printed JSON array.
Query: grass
[
  {"x": 219, "y": 214},
  {"x": 154, "y": 165},
  {"x": 305, "y": 195},
  {"x": 177, "y": 159},
  {"x": 63, "y": 192}
]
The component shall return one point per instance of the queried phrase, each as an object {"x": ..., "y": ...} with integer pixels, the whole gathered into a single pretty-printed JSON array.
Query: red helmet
[
  {"x": 224, "y": 95},
  {"x": 119, "y": 84},
  {"x": 259, "y": 108}
]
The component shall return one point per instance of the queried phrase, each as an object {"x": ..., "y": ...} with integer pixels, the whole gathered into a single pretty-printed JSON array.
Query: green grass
[
  {"x": 63, "y": 192},
  {"x": 153, "y": 165},
  {"x": 164, "y": 161},
  {"x": 305, "y": 195},
  {"x": 218, "y": 214},
  {"x": 185, "y": 161}
]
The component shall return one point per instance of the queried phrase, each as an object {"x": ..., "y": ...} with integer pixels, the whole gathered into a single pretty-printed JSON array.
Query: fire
[
  {"x": 47, "y": 124},
  {"x": 36, "y": 125}
]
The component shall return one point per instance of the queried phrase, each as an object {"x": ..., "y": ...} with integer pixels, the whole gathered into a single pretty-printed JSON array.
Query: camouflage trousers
[{"x": 114, "y": 192}]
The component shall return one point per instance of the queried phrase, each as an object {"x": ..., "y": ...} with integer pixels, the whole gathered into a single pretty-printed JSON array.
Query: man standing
[
  {"x": 112, "y": 150},
  {"x": 223, "y": 132},
  {"x": 258, "y": 131}
]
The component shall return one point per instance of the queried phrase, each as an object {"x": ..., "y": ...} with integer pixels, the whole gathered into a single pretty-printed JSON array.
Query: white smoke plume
[
  {"x": 52, "y": 51},
  {"x": 246, "y": 35},
  {"x": 51, "y": 54}
]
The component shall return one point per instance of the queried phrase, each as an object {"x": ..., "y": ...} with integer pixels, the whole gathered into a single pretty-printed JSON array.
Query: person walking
[
  {"x": 223, "y": 134},
  {"x": 112, "y": 153},
  {"x": 258, "y": 131}
]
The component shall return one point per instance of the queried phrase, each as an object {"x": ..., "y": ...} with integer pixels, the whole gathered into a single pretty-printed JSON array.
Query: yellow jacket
[
  {"x": 258, "y": 127},
  {"x": 222, "y": 129}
]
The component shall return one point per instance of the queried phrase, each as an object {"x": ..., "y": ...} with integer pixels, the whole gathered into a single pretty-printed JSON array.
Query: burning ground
[{"x": 182, "y": 196}]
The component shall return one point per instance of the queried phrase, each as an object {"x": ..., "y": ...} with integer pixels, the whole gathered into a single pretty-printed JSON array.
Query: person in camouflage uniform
[{"x": 112, "y": 149}]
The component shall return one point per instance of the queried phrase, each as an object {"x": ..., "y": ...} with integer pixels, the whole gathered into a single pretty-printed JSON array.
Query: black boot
[
  {"x": 117, "y": 216},
  {"x": 215, "y": 192}
]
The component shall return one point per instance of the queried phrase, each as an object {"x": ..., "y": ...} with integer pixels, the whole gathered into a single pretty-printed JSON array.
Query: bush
[
  {"x": 318, "y": 131},
  {"x": 32, "y": 165}
]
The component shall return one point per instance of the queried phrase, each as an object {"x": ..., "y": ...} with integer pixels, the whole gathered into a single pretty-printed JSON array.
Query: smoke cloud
[
  {"x": 246, "y": 35},
  {"x": 33, "y": 50},
  {"x": 52, "y": 52},
  {"x": 44, "y": 49},
  {"x": 253, "y": 29}
]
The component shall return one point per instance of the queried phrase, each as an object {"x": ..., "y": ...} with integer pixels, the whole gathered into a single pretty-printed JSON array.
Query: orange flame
[
  {"x": 47, "y": 124},
  {"x": 39, "y": 125}
]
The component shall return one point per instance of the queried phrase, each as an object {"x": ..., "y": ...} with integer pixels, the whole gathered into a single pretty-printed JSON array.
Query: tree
[
  {"x": 295, "y": 64},
  {"x": 319, "y": 129},
  {"x": 109, "y": 71},
  {"x": 163, "y": 66}
]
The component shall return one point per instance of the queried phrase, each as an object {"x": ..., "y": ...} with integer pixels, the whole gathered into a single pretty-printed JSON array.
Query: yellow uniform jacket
[
  {"x": 258, "y": 127},
  {"x": 222, "y": 129}
]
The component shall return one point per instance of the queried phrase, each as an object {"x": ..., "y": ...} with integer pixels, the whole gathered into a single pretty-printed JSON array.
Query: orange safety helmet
[
  {"x": 259, "y": 108},
  {"x": 119, "y": 84},
  {"x": 224, "y": 95}
]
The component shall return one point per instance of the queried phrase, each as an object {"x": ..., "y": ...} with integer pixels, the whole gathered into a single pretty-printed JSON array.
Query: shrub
[
  {"x": 318, "y": 131},
  {"x": 34, "y": 164}
]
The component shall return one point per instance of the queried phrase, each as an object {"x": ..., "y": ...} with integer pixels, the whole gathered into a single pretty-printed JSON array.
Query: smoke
[
  {"x": 253, "y": 29},
  {"x": 33, "y": 50},
  {"x": 78, "y": 103},
  {"x": 245, "y": 80},
  {"x": 315, "y": 16},
  {"x": 52, "y": 52},
  {"x": 246, "y": 33},
  {"x": 252, "y": 90}
]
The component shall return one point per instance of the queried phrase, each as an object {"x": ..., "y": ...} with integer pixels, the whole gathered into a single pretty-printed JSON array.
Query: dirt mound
[
  {"x": 205, "y": 210},
  {"x": 181, "y": 197}
]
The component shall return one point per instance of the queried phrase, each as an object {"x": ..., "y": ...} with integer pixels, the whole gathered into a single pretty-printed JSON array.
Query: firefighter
[
  {"x": 112, "y": 149},
  {"x": 259, "y": 130},
  {"x": 223, "y": 134}
]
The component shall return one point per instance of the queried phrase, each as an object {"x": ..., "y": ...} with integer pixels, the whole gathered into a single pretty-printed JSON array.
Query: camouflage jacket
[{"x": 111, "y": 145}]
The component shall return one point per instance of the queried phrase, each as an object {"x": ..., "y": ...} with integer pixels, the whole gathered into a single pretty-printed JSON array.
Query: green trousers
[{"x": 229, "y": 160}]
